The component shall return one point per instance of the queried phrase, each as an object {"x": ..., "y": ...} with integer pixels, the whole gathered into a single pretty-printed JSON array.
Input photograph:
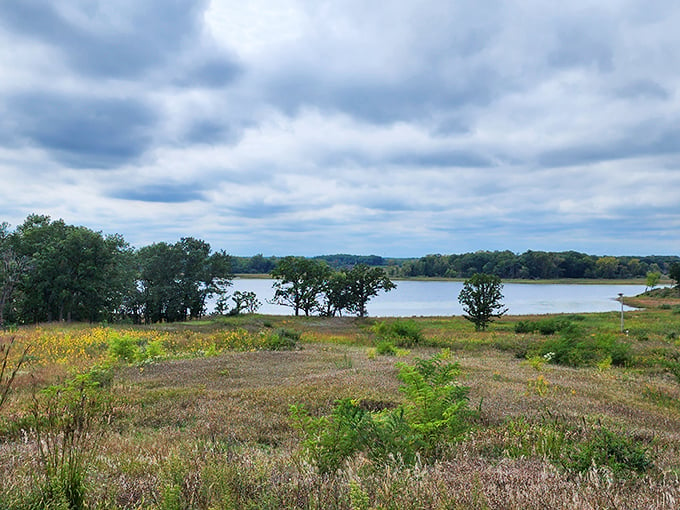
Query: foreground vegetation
[{"x": 257, "y": 411}]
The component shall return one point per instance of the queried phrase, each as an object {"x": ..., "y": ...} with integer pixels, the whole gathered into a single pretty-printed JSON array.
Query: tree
[
  {"x": 75, "y": 273},
  {"x": 362, "y": 283},
  {"x": 12, "y": 270},
  {"x": 299, "y": 283},
  {"x": 245, "y": 301},
  {"x": 175, "y": 280},
  {"x": 653, "y": 278},
  {"x": 334, "y": 295},
  {"x": 674, "y": 273},
  {"x": 481, "y": 299}
]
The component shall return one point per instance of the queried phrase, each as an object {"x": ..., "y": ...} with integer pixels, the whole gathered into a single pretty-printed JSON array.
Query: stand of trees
[
  {"x": 53, "y": 271},
  {"x": 311, "y": 286}
]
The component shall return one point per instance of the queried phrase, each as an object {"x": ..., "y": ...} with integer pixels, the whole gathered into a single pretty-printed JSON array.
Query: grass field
[{"x": 538, "y": 412}]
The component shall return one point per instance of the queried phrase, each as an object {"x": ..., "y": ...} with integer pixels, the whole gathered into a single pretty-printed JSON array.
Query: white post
[{"x": 621, "y": 299}]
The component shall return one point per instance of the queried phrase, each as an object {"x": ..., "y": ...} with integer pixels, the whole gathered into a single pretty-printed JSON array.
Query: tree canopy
[{"x": 481, "y": 299}]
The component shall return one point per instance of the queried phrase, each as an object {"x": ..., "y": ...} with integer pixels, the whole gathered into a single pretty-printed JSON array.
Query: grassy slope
[{"x": 217, "y": 429}]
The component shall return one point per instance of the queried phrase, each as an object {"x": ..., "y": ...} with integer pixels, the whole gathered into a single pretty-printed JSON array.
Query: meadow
[{"x": 561, "y": 411}]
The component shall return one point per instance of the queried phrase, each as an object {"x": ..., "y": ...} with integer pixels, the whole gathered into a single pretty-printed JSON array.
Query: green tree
[
  {"x": 175, "y": 280},
  {"x": 674, "y": 273},
  {"x": 653, "y": 278},
  {"x": 12, "y": 269},
  {"x": 335, "y": 294},
  {"x": 362, "y": 283},
  {"x": 481, "y": 299},
  {"x": 607, "y": 267},
  {"x": 75, "y": 273},
  {"x": 300, "y": 281}
]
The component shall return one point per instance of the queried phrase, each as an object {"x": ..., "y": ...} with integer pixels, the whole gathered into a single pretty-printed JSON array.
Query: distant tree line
[
  {"x": 258, "y": 264},
  {"x": 536, "y": 265}
]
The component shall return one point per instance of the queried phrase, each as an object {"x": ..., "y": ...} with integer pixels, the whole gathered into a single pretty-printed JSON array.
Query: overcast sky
[{"x": 312, "y": 127}]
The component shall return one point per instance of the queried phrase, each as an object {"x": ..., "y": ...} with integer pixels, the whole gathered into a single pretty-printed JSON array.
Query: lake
[{"x": 440, "y": 298}]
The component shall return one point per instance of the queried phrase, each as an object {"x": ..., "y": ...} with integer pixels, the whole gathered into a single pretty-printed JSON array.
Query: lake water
[{"x": 440, "y": 298}]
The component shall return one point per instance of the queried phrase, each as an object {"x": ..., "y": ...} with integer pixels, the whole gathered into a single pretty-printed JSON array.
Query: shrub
[
  {"x": 282, "y": 340},
  {"x": 402, "y": 333},
  {"x": 546, "y": 327},
  {"x": 123, "y": 348},
  {"x": 435, "y": 413},
  {"x": 620, "y": 454},
  {"x": 65, "y": 418},
  {"x": 574, "y": 349},
  {"x": 385, "y": 348},
  {"x": 524, "y": 327}
]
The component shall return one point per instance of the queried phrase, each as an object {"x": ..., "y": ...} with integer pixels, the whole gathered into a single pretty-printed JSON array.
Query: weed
[
  {"x": 539, "y": 386},
  {"x": 537, "y": 362},
  {"x": 575, "y": 349},
  {"x": 385, "y": 348},
  {"x": 434, "y": 414},
  {"x": 9, "y": 368},
  {"x": 345, "y": 363},
  {"x": 65, "y": 418}
]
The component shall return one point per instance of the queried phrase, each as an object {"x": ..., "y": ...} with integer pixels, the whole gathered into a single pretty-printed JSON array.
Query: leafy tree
[
  {"x": 335, "y": 294},
  {"x": 175, "y": 280},
  {"x": 361, "y": 284},
  {"x": 299, "y": 283},
  {"x": 653, "y": 278},
  {"x": 75, "y": 273},
  {"x": 245, "y": 301},
  {"x": 674, "y": 273},
  {"x": 481, "y": 299},
  {"x": 12, "y": 270}
]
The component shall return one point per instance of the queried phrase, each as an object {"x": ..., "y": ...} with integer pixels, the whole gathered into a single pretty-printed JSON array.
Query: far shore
[{"x": 557, "y": 281}]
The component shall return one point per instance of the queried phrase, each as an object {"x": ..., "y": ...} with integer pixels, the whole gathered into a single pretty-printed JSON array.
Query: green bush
[
  {"x": 124, "y": 348},
  {"x": 385, "y": 348},
  {"x": 575, "y": 349},
  {"x": 620, "y": 454},
  {"x": 402, "y": 333},
  {"x": 435, "y": 413},
  {"x": 523, "y": 327},
  {"x": 548, "y": 326},
  {"x": 282, "y": 340}
]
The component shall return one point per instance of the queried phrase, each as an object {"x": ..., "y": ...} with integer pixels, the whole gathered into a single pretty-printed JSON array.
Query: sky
[{"x": 309, "y": 127}]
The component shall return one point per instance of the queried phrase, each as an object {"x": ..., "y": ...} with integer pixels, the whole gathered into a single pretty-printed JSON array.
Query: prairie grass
[{"x": 205, "y": 422}]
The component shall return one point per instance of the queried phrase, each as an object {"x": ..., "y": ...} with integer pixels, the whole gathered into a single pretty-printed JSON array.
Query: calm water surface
[{"x": 436, "y": 298}]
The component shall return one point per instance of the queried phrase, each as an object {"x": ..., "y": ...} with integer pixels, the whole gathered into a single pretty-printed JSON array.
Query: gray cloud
[
  {"x": 649, "y": 138},
  {"x": 83, "y": 132},
  {"x": 103, "y": 39},
  {"x": 123, "y": 40},
  {"x": 165, "y": 193}
]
